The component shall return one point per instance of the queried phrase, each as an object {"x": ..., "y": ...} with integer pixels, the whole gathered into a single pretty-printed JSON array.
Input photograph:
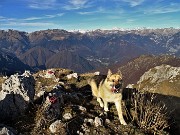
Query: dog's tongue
[{"x": 113, "y": 89}]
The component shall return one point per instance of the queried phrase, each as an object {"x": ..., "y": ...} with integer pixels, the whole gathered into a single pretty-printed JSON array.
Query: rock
[
  {"x": 4, "y": 130},
  {"x": 82, "y": 108},
  {"x": 73, "y": 75},
  {"x": 79, "y": 133},
  {"x": 130, "y": 86},
  {"x": 85, "y": 128},
  {"x": 16, "y": 94},
  {"x": 67, "y": 116},
  {"x": 90, "y": 121},
  {"x": 98, "y": 121},
  {"x": 160, "y": 73},
  {"x": 107, "y": 121},
  {"x": 162, "y": 79},
  {"x": 97, "y": 73},
  {"x": 41, "y": 93},
  {"x": 57, "y": 127}
]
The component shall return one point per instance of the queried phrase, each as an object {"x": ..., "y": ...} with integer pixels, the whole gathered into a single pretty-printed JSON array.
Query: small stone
[
  {"x": 98, "y": 121},
  {"x": 67, "y": 116},
  {"x": 90, "y": 121},
  {"x": 85, "y": 120},
  {"x": 79, "y": 133},
  {"x": 107, "y": 121},
  {"x": 82, "y": 108},
  {"x": 7, "y": 131},
  {"x": 55, "y": 126},
  {"x": 125, "y": 133}
]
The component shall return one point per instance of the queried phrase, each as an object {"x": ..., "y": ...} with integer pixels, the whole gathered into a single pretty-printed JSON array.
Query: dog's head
[{"x": 114, "y": 81}]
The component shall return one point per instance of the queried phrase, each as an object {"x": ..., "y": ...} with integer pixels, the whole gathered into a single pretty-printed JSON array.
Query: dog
[{"x": 108, "y": 89}]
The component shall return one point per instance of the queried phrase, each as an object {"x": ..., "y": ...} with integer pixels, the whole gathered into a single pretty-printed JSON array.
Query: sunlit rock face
[
  {"x": 17, "y": 92},
  {"x": 162, "y": 79}
]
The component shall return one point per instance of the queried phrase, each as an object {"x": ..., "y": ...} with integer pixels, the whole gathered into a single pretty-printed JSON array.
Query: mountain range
[{"x": 89, "y": 50}]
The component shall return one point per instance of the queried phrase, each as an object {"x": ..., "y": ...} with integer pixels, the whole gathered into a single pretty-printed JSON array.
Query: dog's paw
[
  {"x": 123, "y": 123},
  {"x": 106, "y": 109}
]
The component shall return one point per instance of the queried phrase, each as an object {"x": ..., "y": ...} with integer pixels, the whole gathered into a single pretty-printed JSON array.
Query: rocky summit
[{"x": 60, "y": 101}]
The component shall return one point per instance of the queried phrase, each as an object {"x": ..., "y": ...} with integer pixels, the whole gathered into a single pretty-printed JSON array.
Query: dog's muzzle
[{"x": 116, "y": 88}]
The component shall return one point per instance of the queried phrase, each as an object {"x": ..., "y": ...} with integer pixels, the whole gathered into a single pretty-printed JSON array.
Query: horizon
[
  {"x": 83, "y": 31},
  {"x": 36, "y": 15}
]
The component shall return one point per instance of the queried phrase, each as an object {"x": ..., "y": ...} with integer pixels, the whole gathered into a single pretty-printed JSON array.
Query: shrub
[{"x": 148, "y": 113}]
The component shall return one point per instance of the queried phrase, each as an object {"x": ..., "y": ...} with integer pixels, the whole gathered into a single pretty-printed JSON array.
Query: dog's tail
[{"x": 94, "y": 88}]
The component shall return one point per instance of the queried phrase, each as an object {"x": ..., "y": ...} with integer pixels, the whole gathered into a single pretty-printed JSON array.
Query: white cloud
[
  {"x": 77, "y": 4},
  {"x": 134, "y": 3},
  {"x": 43, "y": 17},
  {"x": 27, "y": 22},
  {"x": 2, "y": 17},
  {"x": 35, "y": 24},
  {"x": 53, "y": 15},
  {"x": 33, "y": 18},
  {"x": 102, "y": 10},
  {"x": 161, "y": 9},
  {"x": 98, "y": 10},
  {"x": 87, "y": 13},
  {"x": 42, "y": 4},
  {"x": 60, "y": 14}
]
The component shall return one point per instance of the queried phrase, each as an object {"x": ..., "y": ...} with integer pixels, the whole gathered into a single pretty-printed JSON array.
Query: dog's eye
[{"x": 113, "y": 80}]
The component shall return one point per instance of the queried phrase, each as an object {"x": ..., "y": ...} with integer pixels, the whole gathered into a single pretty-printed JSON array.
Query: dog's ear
[
  {"x": 119, "y": 72},
  {"x": 109, "y": 73}
]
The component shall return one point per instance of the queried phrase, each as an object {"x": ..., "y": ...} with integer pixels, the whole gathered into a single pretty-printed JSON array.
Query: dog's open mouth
[{"x": 116, "y": 90}]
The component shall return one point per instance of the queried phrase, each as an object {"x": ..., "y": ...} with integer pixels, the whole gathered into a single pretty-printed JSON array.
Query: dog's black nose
[{"x": 118, "y": 86}]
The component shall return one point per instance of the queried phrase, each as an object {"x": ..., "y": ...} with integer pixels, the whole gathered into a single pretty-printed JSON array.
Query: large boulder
[{"x": 16, "y": 94}]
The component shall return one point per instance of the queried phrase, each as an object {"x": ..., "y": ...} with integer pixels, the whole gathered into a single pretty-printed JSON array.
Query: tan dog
[{"x": 109, "y": 89}]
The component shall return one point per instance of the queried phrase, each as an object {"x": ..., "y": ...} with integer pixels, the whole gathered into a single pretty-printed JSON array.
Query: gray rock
[
  {"x": 17, "y": 92},
  {"x": 56, "y": 126},
  {"x": 98, "y": 121},
  {"x": 4, "y": 130},
  {"x": 67, "y": 116}
]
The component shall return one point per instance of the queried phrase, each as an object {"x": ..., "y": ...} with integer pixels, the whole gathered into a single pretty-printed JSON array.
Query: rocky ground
[{"x": 50, "y": 102}]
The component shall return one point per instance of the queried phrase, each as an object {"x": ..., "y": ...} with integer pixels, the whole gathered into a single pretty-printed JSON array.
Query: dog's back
[{"x": 95, "y": 81}]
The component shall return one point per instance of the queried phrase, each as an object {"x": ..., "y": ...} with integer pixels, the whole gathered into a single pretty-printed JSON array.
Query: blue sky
[{"x": 33, "y": 15}]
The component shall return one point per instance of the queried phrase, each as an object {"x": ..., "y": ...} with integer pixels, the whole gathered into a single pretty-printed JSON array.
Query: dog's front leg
[
  {"x": 100, "y": 102},
  {"x": 105, "y": 106},
  {"x": 119, "y": 109}
]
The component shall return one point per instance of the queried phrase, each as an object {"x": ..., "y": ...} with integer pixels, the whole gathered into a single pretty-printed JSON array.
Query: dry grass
[
  {"x": 46, "y": 84},
  {"x": 149, "y": 114}
]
